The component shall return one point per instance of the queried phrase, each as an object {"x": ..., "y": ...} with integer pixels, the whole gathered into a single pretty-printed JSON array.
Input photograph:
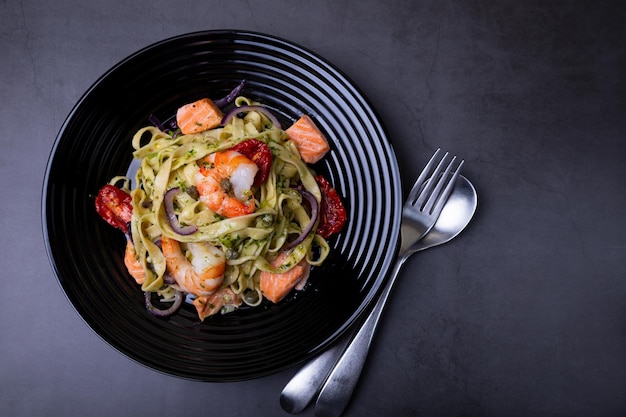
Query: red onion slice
[
  {"x": 168, "y": 200},
  {"x": 314, "y": 210},
  {"x": 178, "y": 300},
  {"x": 261, "y": 109},
  {"x": 231, "y": 96}
]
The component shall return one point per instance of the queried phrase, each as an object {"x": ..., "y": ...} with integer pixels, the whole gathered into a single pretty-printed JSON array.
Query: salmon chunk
[
  {"x": 198, "y": 116},
  {"x": 208, "y": 305},
  {"x": 276, "y": 286},
  {"x": 310, "y": 141}
]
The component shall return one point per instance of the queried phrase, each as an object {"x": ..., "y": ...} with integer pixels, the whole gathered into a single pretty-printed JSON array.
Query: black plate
[{"x": 93, "y": 145}]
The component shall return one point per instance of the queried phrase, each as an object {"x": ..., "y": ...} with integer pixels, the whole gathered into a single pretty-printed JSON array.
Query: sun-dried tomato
[
  {"x": 259, "y": 153},
  {"x": 332, "y": 212},
  {"x": 114, "y": 206}
]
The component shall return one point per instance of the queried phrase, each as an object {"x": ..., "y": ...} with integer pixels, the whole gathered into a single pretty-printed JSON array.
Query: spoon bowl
[{"x": 455, "y": 216}]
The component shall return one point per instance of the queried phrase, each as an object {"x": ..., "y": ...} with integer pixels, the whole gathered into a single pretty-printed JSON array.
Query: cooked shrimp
[
  {"x": 135, "y": 269},
  {"x": 202, "y": 274},
  {"x": 225, "y": 181}
]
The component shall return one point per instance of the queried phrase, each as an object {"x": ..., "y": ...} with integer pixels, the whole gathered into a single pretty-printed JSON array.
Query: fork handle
[
  {"x": 337, "y": 390},
  {"x": 306, "y": 384}
]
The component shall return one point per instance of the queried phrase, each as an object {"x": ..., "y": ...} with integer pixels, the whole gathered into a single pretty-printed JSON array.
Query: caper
[
  {"x": 251, "y": 297},
  {"x": 231, "y": 253},
  {"x": 193, "y": 192},
  {"x": 226, "y": 185},
  {"x": 267, "y": 220}
]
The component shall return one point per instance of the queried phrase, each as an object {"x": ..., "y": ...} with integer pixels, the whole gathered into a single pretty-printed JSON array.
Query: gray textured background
[{"x": 523, "y": 315}]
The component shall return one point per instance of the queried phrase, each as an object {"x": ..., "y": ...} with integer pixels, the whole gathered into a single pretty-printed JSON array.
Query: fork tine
[
  {"x": 436, "y": 183},
  {"x": 413, "y": 194},
  {"x": 435, "y": 206},
  {"x": 432, "y": 183}
]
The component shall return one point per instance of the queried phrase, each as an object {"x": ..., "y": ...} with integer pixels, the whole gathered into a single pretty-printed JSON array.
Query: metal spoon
[{"x": 456, "y": 214}]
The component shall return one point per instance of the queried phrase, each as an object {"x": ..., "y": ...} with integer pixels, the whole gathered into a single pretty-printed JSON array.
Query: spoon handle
[{"x": 338, "y": 388}]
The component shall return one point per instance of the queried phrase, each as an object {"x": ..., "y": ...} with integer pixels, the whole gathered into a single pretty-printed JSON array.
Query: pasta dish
[{"x": 225, "y": 208}]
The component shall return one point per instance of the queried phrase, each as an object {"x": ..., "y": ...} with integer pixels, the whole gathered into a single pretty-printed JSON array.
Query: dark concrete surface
[{"x": 524, "y": 314}]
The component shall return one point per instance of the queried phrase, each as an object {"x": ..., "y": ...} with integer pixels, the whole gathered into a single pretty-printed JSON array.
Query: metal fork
[{"x": 419, "y": 214}]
